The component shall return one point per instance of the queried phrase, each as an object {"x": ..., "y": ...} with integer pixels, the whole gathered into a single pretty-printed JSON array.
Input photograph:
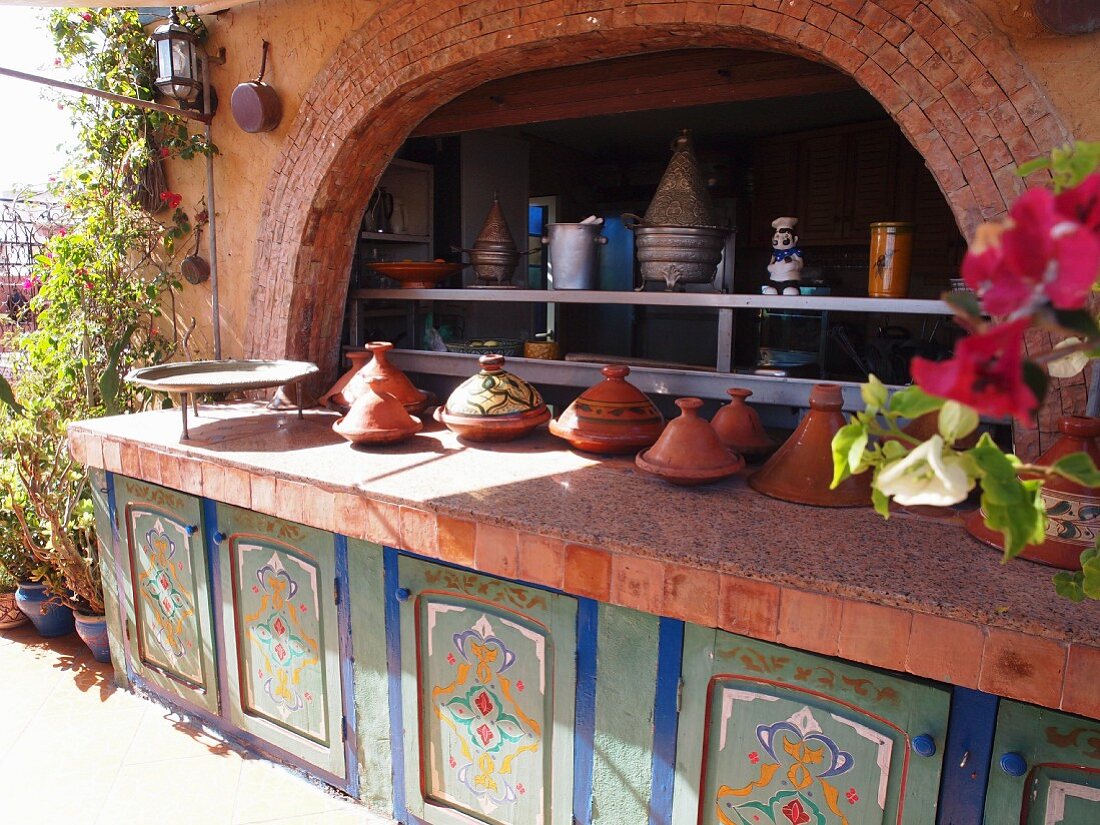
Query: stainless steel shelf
[
  {"x": 713, "y": 300},
  {"x": 387, "y": 236}
]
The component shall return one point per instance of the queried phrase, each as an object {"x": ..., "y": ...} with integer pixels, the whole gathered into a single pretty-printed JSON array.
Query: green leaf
[
  {"x": 964, "y": 303},
  {"x": 913, "y": 402},
  {"x": 1036, "y": 379},
  {"x": 1079, "y": 468},
  {"x": 1090, "y": 574},
  {"x": 957, "y": 421},
  {"x": 874, "y": 394},
  {"x": 7, "y": 396},
  {"x": 849, "y": 437},
  {"x": 881, "y": 502},
  {"x": 1077, "y": 320},
  {"x": 1070, "y": 586},
  {"x": 1012, "y": 507},
  {"x": 1035, "y": 165}
]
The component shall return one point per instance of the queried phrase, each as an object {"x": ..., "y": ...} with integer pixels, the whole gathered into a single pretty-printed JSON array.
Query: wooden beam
[{"x": 632, "y": 84}]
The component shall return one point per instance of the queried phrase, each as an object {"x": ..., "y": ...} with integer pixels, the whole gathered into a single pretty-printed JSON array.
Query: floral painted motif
[
  {"x": 479, "y": 707},
  {"x": 171, "y": 606},
  {"x": 279, "y": 637}
]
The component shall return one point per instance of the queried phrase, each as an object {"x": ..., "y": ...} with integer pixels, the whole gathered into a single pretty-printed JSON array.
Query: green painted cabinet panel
[
  {"x": 108, "y": 550},
  {"x": 282, "y": 645},
  {"x": 772, "y": 736},
  {"x": 169, "y": 619},
  {"x": 1058, "y": 757},
  {"x": 488, "y": 684}
]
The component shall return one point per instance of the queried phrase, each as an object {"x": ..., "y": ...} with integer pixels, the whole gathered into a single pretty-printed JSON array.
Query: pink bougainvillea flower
[
  {"x": 1082, "y": 202},
  {"x": 1039, "y": 254},
  {"x": 164, "y": 152},
  {"x": 986, "y": 372}
]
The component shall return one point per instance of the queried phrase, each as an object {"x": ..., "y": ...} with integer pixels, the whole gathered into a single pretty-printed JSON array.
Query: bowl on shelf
[
  {"x": 416, "y": 274},
  {"x": 509, "y": 347}
]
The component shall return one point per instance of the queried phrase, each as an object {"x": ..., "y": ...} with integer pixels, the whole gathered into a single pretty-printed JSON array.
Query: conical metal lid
[
  {"x": 495, "y": 233},
  {"x": 682, "y": 198}
]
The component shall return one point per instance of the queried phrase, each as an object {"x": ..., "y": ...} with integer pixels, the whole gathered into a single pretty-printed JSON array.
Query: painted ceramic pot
[
  {"x": 689, "y": 451},
  {"x": 10, "y": 614},
  {"x": 335, "y": 394},
  {"x": 802, "y": 469},
  {"x": 493, "y": 405},
  {"x": 739, "y": 428},
  {"x": 92, "y": 630},
  {"x": 49, "y": 617},
  {"x": 377, "y": 417},
  {"x": 395, "y": 382},
  {"x": 1073, "y": 511},
  {"x": 613, "y": 416}
]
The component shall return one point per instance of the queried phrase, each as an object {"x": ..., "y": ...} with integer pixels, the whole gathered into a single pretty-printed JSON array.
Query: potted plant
[{"x": 13, "y": 568}]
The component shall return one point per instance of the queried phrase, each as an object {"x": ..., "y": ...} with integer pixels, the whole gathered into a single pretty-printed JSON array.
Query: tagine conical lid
[
  {"x": 377, "y": 417},
  {"x": 738, "y": 426},
  {"x": 802, "y": 469},
  {"x": 682, "y": 197},
  {"x": 495, "y": 234},
  {"x": 335, "y": 393},
  {"x": 395, "y": 382},
  {"x": 493, "y": 405},
  {"x": 1073, "y": 511},
  {"x": 688, "y": 451},
  {"x": 613, "y": 416}
]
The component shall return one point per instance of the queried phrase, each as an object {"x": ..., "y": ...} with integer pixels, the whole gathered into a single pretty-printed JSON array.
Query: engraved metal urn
[{"x": 494, "y": 256}]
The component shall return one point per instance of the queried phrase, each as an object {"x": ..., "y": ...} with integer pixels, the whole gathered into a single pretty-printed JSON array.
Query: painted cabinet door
[
  {"x": 488, "y": 693},
  {"x": 282, "y": 641},
  {"x": 772, "y": 736},
  {"x": 1046, "y": 768},
  {"x": 169, "y": 618}
]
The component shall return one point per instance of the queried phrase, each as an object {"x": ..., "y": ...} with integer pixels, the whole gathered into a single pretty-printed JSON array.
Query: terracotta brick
[
  {"x": 916, "y": 49},
  {"x": 169, "y": 470},
  {"x": 888, "y": 57},
  {"x": 94, "y": 451},
  {"x": 874, "y": 634},
  {"x": 637, "y": 583},
  {"x": 748, "y": 607},
  {"x": 754, "y": 18},
  {"x": 320, "y": 509},
  {"x": 350, "y": 516},
  {"x": 384, "y": 522},
  {"x": 812, "y": 37},
  {"x": 456, "y": 540},
  {"x": 945, "y": 650},
  {"x": 237, "y": 487},
  {"x": 149, "y": 465},
  {"x": 78, "y": 446},
  {"x": 290, "y": 500},
  {"x": 937, "y": 72},
  {"x": 1024, "y": 667},
  {"x": 796, "y": 9},
  {"x": 262, "y": 494},
  {"x": 1048, "y": 132},
  {"x": 809, "y": 621},
  {"x": 213, "y": 481},
  {"x": 129, "y": 462},
  {"x": 1081, "y": 693},
  {"x": 497, "y": 550},
  {"x": 820, "y": 16},
  {"x": 892, "y": 96},
  {"x": 691, "y": 595},
  {"x": 915, "y": 85},
  {"x": 845, "y": 28},
  {"x": 982, "y": 184},
  {"x": 914, "y": 121},
  {"x": 418, "y": 531},
  {"x": 190, "y": 476},
  {"x": 588, "y": 572},
  {"x": 847, "y": 57},
  {"x": 541, "y": 560}
]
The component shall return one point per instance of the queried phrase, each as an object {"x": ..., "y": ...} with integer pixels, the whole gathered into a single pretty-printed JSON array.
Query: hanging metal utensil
[
  {"x": 256, "y": 106},
  {"x": 194, "y": 267}
]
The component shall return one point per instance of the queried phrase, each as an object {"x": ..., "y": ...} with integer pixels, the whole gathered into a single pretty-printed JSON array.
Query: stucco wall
[{"x": 305, "y": 34}]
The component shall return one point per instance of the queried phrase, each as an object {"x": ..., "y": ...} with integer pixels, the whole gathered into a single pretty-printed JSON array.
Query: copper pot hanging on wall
[{"x": 256, "y": 106}]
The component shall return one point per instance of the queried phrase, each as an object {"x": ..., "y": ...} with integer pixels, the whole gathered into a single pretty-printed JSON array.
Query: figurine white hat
[{"x": 780, "y": 223}]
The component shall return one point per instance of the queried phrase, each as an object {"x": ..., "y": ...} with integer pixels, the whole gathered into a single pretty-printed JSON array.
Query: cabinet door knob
[
  {"x": 219, "y": 537},
  {"x": 403, "y": 594},
  {"x": 1013, "y": 764},
  {"x": 190, "y": 529},
  {"x": 924, "y": 745}
]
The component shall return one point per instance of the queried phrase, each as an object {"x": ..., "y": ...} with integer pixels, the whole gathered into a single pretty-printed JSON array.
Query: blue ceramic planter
[
  {"x": 93, "y": 631},
  {"x": 49, "y": 617}
]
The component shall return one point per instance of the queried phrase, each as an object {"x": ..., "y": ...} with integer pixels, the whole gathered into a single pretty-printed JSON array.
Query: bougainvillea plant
[{"x": 1035, "y": 268}]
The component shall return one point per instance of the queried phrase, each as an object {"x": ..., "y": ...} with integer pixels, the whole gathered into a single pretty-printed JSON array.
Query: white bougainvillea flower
[
  {"x": 926, "y": 476},
  {"x": 1068, "y": 365}
]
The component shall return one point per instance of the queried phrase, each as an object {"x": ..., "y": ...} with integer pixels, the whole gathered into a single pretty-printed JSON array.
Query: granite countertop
[{"x": 538, "y": 486}]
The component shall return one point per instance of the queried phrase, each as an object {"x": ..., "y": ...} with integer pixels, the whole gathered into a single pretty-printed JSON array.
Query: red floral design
[
  {"x": 986, "y": 372},
  {"x": 754, "y": 757},
  {"x": 795, "y": 813},
  {"x": 852, "y": 796},
  {"x": 450, "y": 658},
  {"x": 451, "y": 761},
  {"x": 1045, "y": 251},
  {"x": 522, "y": 790},
  {"x": 519, "y": 686},
  {"x": 483, "y": 703}
]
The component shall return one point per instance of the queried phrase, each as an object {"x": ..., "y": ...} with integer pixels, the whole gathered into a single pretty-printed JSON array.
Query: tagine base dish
[
  {"x": 687, "y": 477},
  {"x": 600, "y": 445},
  {"x": 1049, "y": 553},
  {"x": 487, "y": 428},
  {"x": 377, "y": 437},
  {"x": 417, "y": 274}
]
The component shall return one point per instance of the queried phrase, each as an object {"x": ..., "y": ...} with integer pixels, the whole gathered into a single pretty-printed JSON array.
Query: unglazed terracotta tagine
[
  {"x": 689, "y": 451},
  {"x": 493, "y": 405},
  {"x": 802, "y": 469},
  {"x": 739, "y": 428},
  {"x": 335, "y": 394},
  {"x": 377, "y": 417},
  {"x": 1073, "y": 511},
  {"x": 396, "y": 383},
  {"x": 613, "y": 416}
]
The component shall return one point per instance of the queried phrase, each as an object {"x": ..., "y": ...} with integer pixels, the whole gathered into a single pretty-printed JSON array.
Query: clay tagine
[
  {"x": 739, "y": 428},
  {"x": 802, "y": 469},
  {"x": 396, "y": 383},
  {"x": 335, "y": 394},
  {"x": 493, "y": 405},
  {"x": 613, "y": 416},
  {"x": 377, "y": 417},
  {"x": 1073, "y": 511},
  {"x": 689, "y": 451}
]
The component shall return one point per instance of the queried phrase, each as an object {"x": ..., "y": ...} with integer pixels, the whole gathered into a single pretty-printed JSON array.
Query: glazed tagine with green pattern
[{"x": 493, "y": 405}]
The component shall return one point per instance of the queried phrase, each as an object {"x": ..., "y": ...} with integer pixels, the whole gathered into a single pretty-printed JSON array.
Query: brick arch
[{"x": 951, "y": 81}]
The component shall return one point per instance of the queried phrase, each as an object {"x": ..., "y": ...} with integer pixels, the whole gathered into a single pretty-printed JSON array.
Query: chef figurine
[{"x": 785, "y": 269}]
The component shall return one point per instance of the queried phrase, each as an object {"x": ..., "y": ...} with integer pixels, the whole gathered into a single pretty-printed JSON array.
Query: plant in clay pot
[
  {"x": 14, "y": 568},
  {"x": 1035, "y": 269}
]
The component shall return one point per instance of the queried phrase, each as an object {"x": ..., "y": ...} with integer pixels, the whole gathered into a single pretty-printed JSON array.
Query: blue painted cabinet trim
[
  {"x": 349, "y": 729},
  {"x": 670, "y": 652},
  {"x": 393, "y": 667},
  {"x": 213, "y": 568},
  {"x": 966, "y": 757},
  {"x": 584, "y": 726}
]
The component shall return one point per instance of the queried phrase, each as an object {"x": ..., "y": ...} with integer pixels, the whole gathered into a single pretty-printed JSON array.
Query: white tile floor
[{"x": 74, "y": 748}]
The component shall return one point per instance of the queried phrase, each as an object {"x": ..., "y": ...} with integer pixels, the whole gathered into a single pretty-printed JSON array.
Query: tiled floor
[{"x": 74, "y": 748}]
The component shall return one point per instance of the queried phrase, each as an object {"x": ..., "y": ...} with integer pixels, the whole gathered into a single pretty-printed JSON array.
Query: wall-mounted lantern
[{"x": 179, "y": 63}]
